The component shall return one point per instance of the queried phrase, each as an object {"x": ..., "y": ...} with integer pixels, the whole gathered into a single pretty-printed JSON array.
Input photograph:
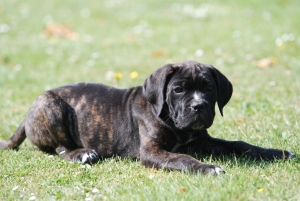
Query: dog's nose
[{"x": 198, "y": 107}]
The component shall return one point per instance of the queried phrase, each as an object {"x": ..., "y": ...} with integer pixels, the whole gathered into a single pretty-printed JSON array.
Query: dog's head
[{"x": 187, "y": 92}]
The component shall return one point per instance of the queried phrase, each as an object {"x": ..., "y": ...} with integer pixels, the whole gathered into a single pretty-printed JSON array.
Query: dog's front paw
[
  {"x": 289, "y": 155},
  {"x": 211, "y": 170},
  {"x": 271, "y": 154}
]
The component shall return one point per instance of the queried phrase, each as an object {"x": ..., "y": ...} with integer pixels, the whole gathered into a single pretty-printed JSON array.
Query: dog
[{"x": 159, "y": 123}]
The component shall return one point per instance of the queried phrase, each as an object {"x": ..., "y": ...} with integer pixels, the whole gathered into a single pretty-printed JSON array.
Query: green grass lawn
[{"x": 256, "y": 44}]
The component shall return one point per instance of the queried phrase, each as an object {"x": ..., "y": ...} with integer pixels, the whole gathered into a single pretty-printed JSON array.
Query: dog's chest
[{"x": 181, "y": 142}]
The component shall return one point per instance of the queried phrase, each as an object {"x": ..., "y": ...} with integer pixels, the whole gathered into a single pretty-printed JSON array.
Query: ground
[{"x": 256, "y": 44}]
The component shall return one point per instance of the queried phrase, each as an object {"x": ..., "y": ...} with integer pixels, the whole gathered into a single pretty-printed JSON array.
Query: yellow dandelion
[
  {"x": 133, "y": 74},
  {"x": 274, "y": 60},
  {"x": 118, "y": 76},
  {"x": 261, "y": 190},
  {"x": 281, "y": 47},
  {"x": 53, "y": 39}
]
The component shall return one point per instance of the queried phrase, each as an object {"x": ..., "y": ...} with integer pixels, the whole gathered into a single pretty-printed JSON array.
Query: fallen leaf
[
  {"x": 59, "y": 30},
  {"x": 152, "y": 175},
  {"x": 130, "y": 39},
  {"x": 159, "y": 53},
  {"x": 182, "y": 189},
  {"x": 241, "y": 120},
  {"x": 266, "y": 62}
]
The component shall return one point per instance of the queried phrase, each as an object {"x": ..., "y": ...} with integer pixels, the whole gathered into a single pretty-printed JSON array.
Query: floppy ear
[
  {"x": 155, "y": 86},
  {"x": 224, "y": 86}
]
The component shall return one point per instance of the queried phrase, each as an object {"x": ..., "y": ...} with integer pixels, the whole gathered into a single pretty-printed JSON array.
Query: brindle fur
[{"x": 84, "y": 122}]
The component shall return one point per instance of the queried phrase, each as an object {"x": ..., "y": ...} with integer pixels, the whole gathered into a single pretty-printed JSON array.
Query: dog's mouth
[{"x": 199, "y": 125}]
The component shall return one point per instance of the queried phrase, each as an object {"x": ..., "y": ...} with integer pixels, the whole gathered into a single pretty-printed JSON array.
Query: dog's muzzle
[{"x": 194, "y": 125}]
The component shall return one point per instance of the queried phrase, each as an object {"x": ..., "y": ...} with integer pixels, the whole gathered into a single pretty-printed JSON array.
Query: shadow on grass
[
  {"x": 233, "y": 160},
  {"x": 230, "y": 161}
]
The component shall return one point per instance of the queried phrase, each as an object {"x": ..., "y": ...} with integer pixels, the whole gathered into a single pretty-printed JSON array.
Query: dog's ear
[
  {"x": 155, "y": 87},
  {"x": 224, "y": 88}
]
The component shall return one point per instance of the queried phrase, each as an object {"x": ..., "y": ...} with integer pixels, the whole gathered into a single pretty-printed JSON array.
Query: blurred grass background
[{"x": 256, "y": 44}]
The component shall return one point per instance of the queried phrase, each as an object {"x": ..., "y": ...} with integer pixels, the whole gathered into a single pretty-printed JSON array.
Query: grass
[{"x": 125, "y": 36}]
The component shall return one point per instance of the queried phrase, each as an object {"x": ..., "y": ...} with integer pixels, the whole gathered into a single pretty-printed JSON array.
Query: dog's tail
[{"x": 16, "y": 139}]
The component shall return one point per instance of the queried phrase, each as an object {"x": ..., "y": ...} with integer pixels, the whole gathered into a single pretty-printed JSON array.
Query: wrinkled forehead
[{"x": 193, "y": 73}]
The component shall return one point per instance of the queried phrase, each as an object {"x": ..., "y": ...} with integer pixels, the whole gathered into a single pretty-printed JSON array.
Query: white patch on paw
[
  {"x": 89, "y": 157},
  {"x": 290, "y": 155},
  {"x": 62, "y": 152},
  {"x": 92, "y": 155},
  {"x": 219, "y": 170},
  {"x": 85, "y": 157}
]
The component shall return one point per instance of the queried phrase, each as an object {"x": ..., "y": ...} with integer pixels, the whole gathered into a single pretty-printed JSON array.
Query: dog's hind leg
[{"x": 52, "y": 126}]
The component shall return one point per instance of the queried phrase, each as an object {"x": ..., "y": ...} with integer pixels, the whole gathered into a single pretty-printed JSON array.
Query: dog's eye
[{"x": 178, "y": 89}]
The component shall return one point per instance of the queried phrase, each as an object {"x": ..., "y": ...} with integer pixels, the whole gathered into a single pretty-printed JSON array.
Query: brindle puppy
[{"x": 157, "y": 123}]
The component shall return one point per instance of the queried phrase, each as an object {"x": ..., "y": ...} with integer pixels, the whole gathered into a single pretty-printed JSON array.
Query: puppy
[{"x": 158, "y": 123}]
